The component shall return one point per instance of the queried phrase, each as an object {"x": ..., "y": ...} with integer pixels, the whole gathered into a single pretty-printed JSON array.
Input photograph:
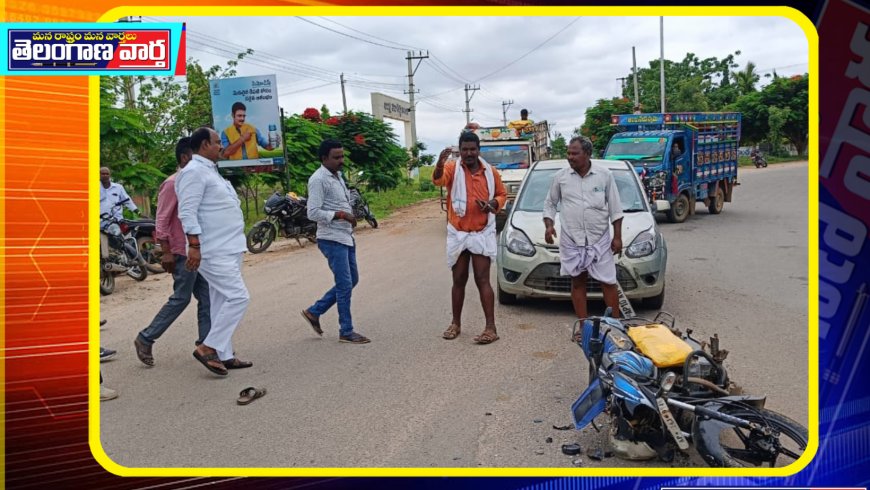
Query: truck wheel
[
  {"x": 506, "y": 298},
  {"x": 718, "y": 201},
  {"x": 679, "y": 209}
]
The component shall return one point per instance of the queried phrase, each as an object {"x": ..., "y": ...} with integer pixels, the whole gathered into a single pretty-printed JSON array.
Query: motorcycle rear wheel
[
  {"x": 372, "y": 221},
  {"x": 148, "y": 248},
  {"x": 107, "y": 282},
  {"x": 260, "y": 237},
  {"x": 723, "y": 445}
]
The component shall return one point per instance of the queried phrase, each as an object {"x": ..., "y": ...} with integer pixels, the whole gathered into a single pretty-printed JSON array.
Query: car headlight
[
  {"x": 644, "y": 244},
  {"x": 518, "y": 243}
]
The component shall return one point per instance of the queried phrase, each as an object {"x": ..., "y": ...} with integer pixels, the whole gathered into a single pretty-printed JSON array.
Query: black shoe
[
  {"x": 354, "y": 338},
  {"x": 107, "y": 354}
]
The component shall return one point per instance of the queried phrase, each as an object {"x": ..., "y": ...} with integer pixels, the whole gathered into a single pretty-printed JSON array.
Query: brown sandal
[
  {"x": 452, "y": 332},
  {"x": 487, "y": 337}
]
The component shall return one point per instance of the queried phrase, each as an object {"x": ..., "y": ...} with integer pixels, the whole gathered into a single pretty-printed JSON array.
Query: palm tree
[{"x": 746, "y": 79}]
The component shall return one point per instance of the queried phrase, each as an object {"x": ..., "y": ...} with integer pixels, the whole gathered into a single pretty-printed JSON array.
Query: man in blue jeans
[
  {"x": 186, "y": 283},
  {"x": 329, "y": 205}
]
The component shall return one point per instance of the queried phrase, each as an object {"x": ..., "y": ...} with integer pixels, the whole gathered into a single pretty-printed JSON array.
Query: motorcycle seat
[{"x": 660, "y": 345}]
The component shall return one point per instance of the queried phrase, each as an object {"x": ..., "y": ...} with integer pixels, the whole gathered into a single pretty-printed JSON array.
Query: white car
[{"x": 528, "y": 266}]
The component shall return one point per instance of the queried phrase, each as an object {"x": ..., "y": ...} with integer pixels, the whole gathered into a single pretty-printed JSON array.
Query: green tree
[
  {"x": 597, "y": 126},
  {"x": 791, "y": 95},
  {"x": 754, "y": 126},
  {"x": 417, "y": 158},
  {"x": 746, "y": 79},
  {"x": 776, "y": 120},
  {"x": 691, "y": 85},
  {"x": 372, "y": 146},
  {"x": 559, "y": 148}
]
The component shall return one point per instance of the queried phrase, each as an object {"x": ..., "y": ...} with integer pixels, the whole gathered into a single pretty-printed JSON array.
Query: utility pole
[
  {"x": 662, "y": 59},
  {"x": 504, "y": 107},
  {"x": 343, "y": 98},
  {"x": 634, "y": 70},
  {"x": 468, "y": 101},
  {"x": 411, "y": 70},
  {"x": 622, "y": 83}
]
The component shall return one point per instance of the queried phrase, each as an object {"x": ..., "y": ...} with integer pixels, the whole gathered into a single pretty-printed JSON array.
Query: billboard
[
  {"x": 246, "y": 115},
  {"x": 391, "y": 107}
]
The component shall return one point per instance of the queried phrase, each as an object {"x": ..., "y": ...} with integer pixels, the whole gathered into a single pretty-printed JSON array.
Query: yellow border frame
[{"x": 251, "y": 11}]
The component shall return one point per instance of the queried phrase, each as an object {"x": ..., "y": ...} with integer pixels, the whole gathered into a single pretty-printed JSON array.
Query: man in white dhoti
[
  {"x": 590, "y": 203},
  {"x": 474, "y": 194},
  {"x": 211, "y": 217}
]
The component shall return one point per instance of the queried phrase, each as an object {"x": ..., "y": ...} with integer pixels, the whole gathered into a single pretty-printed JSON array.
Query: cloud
[{"x": 556, "y": 81}]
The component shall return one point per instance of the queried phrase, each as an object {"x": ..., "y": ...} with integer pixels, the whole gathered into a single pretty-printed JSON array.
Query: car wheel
[
  {"x": 656, "y": 302},
  {"x": 506, "y": 298}
]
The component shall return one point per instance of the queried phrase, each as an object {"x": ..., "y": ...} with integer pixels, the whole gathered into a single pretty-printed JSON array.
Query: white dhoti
[
  {"x": 597, "y": 259},
  {"x": 229, "y": 300},
  {"x": 477, "y": 242}
]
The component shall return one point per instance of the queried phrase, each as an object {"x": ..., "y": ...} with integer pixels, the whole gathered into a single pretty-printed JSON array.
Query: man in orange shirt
[{"x": 474, "y": 194}]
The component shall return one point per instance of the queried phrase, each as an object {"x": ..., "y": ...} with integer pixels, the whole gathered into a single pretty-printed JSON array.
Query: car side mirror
[{"x": 508, "y": 206}]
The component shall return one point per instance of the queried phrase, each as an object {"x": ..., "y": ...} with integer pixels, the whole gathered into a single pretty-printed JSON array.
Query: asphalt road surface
[{"x": 412, "y": 399}]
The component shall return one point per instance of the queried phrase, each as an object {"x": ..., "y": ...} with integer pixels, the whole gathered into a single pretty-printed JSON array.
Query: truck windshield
[
  {"x": 506, "y": 156},
  {"x": 649, "y": 149},
  {"x": 538, "y": 185}
]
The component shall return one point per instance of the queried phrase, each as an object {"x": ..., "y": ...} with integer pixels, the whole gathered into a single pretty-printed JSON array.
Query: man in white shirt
[
  {"x": 112, "y": 194},
  {"x": 211, "y": 216},
  {"x": 590, "y": 204}
]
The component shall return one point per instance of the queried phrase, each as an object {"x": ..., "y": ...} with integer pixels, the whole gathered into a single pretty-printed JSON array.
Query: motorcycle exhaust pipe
[{"x": 111, "y": 267}]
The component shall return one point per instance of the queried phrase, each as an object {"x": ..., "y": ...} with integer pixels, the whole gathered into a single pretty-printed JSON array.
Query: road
[{"x": 412, "y": 399}]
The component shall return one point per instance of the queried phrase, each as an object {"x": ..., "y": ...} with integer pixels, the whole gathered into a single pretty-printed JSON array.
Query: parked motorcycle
[
  {"x": 286, "y": 214},
  {"x": 119, "y": 252},
  {"x": 663, "y": 389},
  {"x": 143, "y": 230},
  {"x": 360, "y": 207}
]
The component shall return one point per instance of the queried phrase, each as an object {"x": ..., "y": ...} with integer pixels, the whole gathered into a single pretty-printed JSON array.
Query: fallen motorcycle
[{"x": 663, "y": 389}]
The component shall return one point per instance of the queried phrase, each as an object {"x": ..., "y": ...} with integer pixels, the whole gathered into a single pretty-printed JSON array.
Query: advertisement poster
[{"x": 247, "y": 117}]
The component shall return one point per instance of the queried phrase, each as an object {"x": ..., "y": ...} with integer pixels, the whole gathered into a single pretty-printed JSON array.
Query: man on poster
[{"x": 240, "y": 139}]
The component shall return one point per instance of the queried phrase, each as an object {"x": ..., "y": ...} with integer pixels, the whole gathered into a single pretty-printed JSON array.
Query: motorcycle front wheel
[
  {"x": 260, "y": 237},
  {"x": 138, "y": 272},
  {"x": 151, "y": 253},
  {"x": 107, "y": 282},
  {"x": 721, "y": 444},
  {"x": 370, "y": 218}
]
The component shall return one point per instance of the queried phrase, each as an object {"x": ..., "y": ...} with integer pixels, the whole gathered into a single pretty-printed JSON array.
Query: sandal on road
[
  {"x": 250, "y": 394},
  {"x": 205, "y": 359},
  {"x": 452, "y": 332},
  {"x": 487, "y": 337},
  {"x": 236, "y": 363}
]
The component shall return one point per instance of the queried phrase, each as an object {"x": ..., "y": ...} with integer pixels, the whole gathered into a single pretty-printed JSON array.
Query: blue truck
[{"x": 681, "y": 157}]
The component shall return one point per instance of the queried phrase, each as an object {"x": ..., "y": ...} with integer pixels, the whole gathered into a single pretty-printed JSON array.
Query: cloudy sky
[{"x": 554, "y": 66}]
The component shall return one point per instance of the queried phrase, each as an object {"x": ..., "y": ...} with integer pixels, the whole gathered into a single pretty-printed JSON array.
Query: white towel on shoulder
[{"x": 481, "y": 242}]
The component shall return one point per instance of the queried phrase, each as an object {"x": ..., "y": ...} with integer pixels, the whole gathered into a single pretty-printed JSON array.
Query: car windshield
[
  {"x": 506, "y": 156},
  {"x": 538, "y": 182},
  {"x": 650, "y": 149}
]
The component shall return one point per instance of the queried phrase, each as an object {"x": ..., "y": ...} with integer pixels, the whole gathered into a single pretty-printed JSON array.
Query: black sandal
[
  {"x": 236, "y": 363},
  {"x": 210, "y": 357}
]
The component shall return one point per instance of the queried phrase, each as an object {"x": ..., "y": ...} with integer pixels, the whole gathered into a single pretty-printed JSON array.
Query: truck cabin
[
  {"x": 650, "y": 150},
  {"x": 506, "y": 157}
]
